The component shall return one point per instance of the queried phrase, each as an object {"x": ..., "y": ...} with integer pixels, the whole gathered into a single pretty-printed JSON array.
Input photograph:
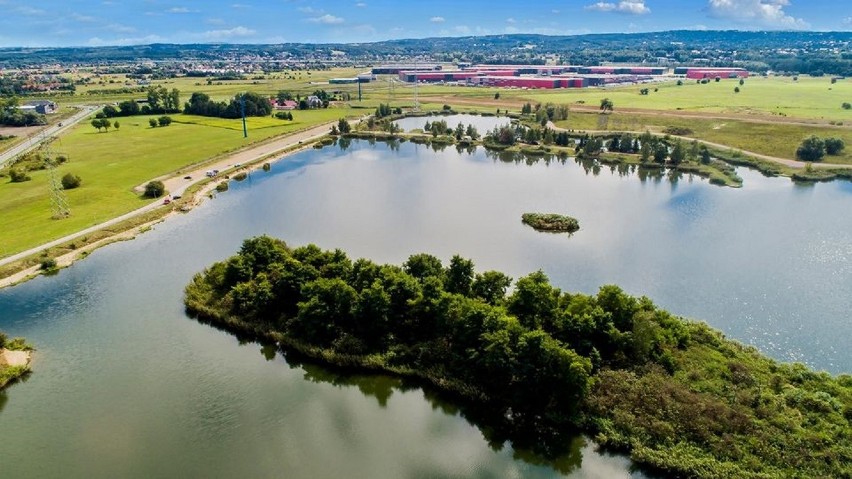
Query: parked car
[
  {"x": 166, "y": 201},
  {"x": 187, "y": 177}
]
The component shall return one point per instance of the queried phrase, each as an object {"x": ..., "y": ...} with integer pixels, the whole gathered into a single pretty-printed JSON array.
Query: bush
[
  {"x": 847, "y": 106},
  {"x": 811, "y": 149},
  {"x": 153, "y": 123},
  {"x": 833, "y": 146},
  {"x": 48, "y": 264},
  {"x": 447, "y": 108},
  {"x": 71, "y": 181},
  {"x": 155, "y": 189},
  {"x": 18, "y": 176},
  {"x": 221, "y": 187},
  {"x": 164, "y": 121}
]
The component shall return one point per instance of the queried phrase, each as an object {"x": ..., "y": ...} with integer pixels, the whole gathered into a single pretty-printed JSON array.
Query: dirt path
[
  {"x": 176, "y": 185},
  {"x": 774, "y": 159}
]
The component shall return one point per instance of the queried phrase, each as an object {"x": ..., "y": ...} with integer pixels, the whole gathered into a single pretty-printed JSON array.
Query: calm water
[
  {"x": 127, "y": 386},
  {"x": 483, "y": 124}
]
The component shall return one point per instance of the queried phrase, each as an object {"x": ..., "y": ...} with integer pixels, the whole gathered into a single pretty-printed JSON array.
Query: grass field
[
  {"x": 812, "y": 98},
  {"x": 774, "y": 139},
  {"x": 112, "y": 163}
]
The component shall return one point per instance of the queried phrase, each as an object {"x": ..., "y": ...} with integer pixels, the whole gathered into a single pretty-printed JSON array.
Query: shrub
[
  {"x": 223, "y": 186},
  {"x": 18, "y": 176},
  {"x": 811, "y": 149},
  {"x": 447, "y": 108},
  {"x": 164, "y": 121},
  {"x": 846, "y": 105},
  {"x": 736, "y": 89},
  {"x": 153, "y": 123},
  {"x": 48, "y": 264},
  {"x": 71, "y": 181},
  {"x": 833, "y": 146},
  {"x": 155, "y": 189},
  {"x": 677, "y": 131}
]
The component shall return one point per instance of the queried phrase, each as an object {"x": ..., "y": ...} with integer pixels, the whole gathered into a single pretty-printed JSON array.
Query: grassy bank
[
  {"x": 773, "y": 139},
  {"x": 677, "y": 395},
  {"x": 113, "y": 163}
]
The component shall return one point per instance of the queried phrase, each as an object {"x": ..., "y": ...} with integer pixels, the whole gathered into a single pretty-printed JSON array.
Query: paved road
[
  {"x": 177, "y": 185},
  {"x": 50, "y": 131}
]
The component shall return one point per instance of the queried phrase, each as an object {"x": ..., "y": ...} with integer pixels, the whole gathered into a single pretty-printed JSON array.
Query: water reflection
[{"x": 561, "y": 451}]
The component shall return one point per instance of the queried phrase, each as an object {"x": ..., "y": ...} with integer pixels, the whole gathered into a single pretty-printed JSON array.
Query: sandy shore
[{"x": 15, "y": 358}]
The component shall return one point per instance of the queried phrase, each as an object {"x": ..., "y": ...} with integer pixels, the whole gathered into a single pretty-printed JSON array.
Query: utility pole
[{"x": 243, "y": 108}]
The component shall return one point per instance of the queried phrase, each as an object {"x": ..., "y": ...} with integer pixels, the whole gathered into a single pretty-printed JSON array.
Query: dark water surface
[{"x": 125, "y": 385}]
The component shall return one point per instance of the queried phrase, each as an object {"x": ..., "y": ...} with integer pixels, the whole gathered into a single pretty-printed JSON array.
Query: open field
[
  {"x": 773, "y": 139},
  {"x": 111, "y": 164},
  {"x": 811, "y": 98}
]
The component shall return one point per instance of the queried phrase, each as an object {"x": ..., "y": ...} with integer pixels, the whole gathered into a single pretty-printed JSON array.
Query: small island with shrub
[
  {"x": 14, "y": 359},
  {"x": 551, "y": 222}
]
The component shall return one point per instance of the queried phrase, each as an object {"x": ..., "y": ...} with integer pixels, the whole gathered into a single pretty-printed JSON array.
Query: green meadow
[
  {"x": 112, "y": 163},
  {"x": 774, "y": 139}
]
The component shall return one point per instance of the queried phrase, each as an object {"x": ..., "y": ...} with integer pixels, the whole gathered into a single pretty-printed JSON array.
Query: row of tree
[
  {"x": 252, "y": 103},
  {"x": 11, "y": 115},
  {"x": 440, "y": 128},
  {"x": 814, "y": 148}
]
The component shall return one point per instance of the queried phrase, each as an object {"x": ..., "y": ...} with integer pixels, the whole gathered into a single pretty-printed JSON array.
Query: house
[
  {"x": 45, "y": 107},
  {"x": 283, "y": 105},
  {"x": 314, "y": 102}
]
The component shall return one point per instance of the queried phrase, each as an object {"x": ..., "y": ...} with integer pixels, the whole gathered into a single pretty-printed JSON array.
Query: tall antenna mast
[{"x": 58, "y": 200}]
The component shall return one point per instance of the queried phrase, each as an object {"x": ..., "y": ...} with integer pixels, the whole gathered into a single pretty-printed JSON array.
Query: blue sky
[{"x": 120, "y": 22}]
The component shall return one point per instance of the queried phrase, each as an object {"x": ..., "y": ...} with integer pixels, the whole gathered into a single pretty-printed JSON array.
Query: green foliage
[
  {"x": 48, "y": 264},
  {"x": 152, "y": 122},
  {"x": 676, "y": 394},
  {"x": 18, "y": 176},
  {"x": 71, "y": 181},
  {"x": 382, "y": 111},
  {"x": 811, "y": 149},
  {"x": 606, "y": 105},
  {"x": 155, "y": 189},
  {"x": 222, "y": 187},
  {"x": 834, "y": 146},
  {"x": 551, "y": 222},
  {"x": 252, "y": 103},
  {"x": 846, "y": 105},
  {"x": 164, "y": 120}
]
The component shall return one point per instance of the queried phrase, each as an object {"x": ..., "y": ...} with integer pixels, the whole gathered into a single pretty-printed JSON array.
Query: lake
[
  {"x": 125, "y": 385},
  {"x": 483, "y": 124}
]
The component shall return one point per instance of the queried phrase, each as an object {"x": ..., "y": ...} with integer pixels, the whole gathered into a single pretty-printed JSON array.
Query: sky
[{"x": 46, "y": 23}]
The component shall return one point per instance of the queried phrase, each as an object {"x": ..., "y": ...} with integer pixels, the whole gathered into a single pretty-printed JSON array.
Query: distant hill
[{"x": 803, "y": 52}]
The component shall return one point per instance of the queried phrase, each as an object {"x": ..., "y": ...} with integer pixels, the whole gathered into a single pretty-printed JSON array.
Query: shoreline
[{"x": 27, "y": 265}]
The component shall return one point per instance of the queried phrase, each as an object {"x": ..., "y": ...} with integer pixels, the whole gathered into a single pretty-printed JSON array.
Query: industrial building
[
  {"x": 699, "y": 73},
  {"x": 395, "y": 69}
]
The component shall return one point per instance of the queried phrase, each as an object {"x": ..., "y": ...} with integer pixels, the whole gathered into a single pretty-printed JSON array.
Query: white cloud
[
  {"x": 327, "y": 19},
  {"x": 98, "y": 42},
  {"x": 214, "y": 21},
  {"x": 30, "y": 11},
  {"x": 119, "y": 28},
  {"x": 765, "y": 12},
  {"x": 633, "y": 7},
  {"x": 236, "y": 32},
  {"x": 309, "y": 10},
  {"x": 83, "y": 18},
  {"x": 180, "y": 10},
  {"x": 847, "y": 21},
  {"x": 510, "y": 20},
  {"x": 437, "y": 20},
  {"x": 361, "y": 5}
]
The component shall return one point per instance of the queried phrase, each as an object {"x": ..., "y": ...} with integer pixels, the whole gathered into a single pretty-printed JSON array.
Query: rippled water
[
  {"x": 125, "y": 385},
  {"x": 483, "y": 124}
]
